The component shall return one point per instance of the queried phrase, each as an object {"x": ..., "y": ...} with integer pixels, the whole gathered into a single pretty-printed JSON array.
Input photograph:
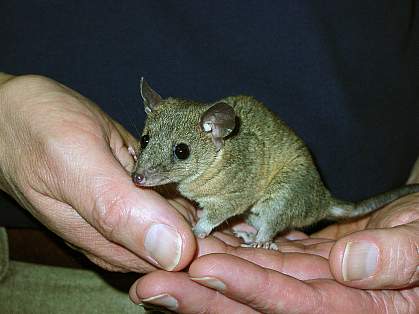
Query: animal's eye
[
  {"x": 181, "y": 151},
  {"x": 144, "y": 141}
]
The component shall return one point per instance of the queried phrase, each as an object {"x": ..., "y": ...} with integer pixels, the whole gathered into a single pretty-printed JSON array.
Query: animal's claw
[{"x": 269, "y": 245}]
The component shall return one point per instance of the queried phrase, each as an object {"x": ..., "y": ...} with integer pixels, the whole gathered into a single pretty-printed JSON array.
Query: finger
[
  {"x": 104, "y": 195},
  {"x": 294, "y": 235},
  {"x": 300, "y": 244},
  {"x": 176, "y": 292},
  {"x": 339, "y": 230},
  {"x": 378, "y": 258},
  {"x": 228, "y": 238},
  {"x": 182, "y": 205},
  {"x": 185, "y": 209},
  {"x": 269, "y": 291},
  {"x": 320, "y": 247},
  {"x": 263, "y": 289},
  {"x": 82, "y": 237},
  {"x": 399, "y": 212},
  {"x": 129, "y": 139},
  {"x": 119, "y": 141},
  {"x": 298, "y": 265}
]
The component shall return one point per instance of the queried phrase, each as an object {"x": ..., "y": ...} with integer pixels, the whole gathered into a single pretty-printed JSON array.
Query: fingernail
[
  {"x": 164, "y": 245},
  {"x": 164, "y": 300},
  {"x": 210, "y": 282},
  {"x": 359, "y": 260}
]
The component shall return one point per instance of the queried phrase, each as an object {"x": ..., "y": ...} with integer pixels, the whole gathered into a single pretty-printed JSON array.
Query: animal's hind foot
[
  {"x": 247, "y": 237},
  {"x": 268, "y": 245}
]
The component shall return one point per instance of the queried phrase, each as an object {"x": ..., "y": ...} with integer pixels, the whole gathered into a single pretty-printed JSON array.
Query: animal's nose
[{"x": 138, "y": 179}]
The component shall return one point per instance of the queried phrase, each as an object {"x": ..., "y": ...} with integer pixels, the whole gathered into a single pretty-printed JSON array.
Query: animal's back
[{"x": 273, "y": 143}]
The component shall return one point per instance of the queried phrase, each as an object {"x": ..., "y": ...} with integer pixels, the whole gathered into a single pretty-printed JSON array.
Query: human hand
[
  {"x": 66, "y": 161},
  {"x": 365, "y": 266}
]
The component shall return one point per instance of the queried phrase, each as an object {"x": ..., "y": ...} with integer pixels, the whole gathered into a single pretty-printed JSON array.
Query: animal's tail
[{"x": 342, "y": 209}]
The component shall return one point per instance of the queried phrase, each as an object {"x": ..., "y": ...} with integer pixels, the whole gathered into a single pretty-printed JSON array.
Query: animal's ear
[
  {"x": 150, "y": 97},
  {"x": 220, "y": 120}
]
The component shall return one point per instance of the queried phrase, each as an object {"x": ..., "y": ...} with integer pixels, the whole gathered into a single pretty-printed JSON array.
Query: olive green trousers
[{"x": 31, "y": 288}]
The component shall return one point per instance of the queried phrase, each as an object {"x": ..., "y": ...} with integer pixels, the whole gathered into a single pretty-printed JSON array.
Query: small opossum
[{"x": 235, "y": 157}]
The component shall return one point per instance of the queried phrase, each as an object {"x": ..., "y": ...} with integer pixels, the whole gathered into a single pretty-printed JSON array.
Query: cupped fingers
[
  {"x": 297, "y": 264},
  {"x": 262, "y": 289},
  {"x": 176, "y": 292},
  {"x": 269, "y": 291}
]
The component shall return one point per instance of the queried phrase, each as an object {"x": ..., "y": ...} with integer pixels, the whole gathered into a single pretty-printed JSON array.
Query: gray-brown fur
[{"x": 253, "y": 165}]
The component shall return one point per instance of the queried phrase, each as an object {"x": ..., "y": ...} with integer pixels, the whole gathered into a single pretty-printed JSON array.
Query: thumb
[
  {"x": 91, "y": 180},
  {"x": 378, "y": 258},
  {"x": 139, "y": 220}
]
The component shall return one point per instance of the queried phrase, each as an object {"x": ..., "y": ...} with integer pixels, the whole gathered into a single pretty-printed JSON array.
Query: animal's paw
[
  {"x": 269, "y": 245},
  {"x": 248, "y": 237},
  {"x": 200, "y": 234},
  {"x": 201, "y": 230}
]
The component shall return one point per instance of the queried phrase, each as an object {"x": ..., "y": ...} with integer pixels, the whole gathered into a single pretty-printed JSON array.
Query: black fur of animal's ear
[
  {"x": 150, "y": 97},
  {"x": 220, "y": 120}
]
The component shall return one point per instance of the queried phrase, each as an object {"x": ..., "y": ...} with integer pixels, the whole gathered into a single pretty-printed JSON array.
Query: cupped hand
[
  {"x": 366, "y": 266},
  {"x": 67, "y": 162}
]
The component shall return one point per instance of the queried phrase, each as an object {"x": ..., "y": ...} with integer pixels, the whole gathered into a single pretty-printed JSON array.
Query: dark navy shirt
[{"x": 343, "y": 74}]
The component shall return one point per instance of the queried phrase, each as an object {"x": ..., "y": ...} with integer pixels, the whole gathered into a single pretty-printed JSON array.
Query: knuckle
[
  {"x": 111, "y": 213},
  {"x": 400, "y": 260},
  {"x": 108, "y": 215},
  {"x": 208, "y": 306},
  {"x": 258, "y": 298}
]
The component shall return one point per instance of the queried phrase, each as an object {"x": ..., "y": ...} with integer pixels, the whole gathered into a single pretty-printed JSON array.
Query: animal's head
[{"x": 180, "y": 139}]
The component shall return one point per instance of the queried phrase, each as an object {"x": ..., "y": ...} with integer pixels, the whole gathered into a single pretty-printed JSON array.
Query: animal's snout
[
  {"x": 138, "y": 179},
  {"x": 147, "y": 177}
]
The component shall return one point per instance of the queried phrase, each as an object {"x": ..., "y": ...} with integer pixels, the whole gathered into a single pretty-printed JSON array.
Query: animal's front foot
[
  {"x": 201, "y": 229},
  {"x": 200, "y": 234},
  {"x": 268, "y": 245}
]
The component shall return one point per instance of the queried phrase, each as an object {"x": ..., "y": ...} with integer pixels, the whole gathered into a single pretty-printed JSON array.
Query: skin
[
  {"x": 67, "y": 162},
  {"x": 306, "y": 276}
]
